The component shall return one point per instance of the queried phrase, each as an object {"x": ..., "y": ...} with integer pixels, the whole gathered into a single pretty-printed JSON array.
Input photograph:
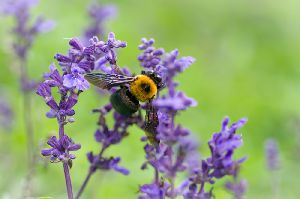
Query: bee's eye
[{"x": 146, "y": 87}]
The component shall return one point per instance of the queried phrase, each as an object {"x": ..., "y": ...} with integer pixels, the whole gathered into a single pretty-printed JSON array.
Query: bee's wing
[{"x": 107, "y": 81}]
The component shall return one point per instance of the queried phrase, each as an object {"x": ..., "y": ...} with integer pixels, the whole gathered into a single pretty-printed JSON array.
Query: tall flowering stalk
[
  {"x": 273, "y": 165},
  {"x": 25, "y": 32},
  {"x": 104, "y": 135},
  {"x": 237, "y": 187},
  {"x": 176, "y": 151},
  {"x": 108, "y": 137},
  {"x": 170, "y": 156},
  {"x": 272, "y": 154},
  {"x": 220, "y": 164},
  {"x": 6, "y": 114},
  {"x": 70, "y": 83},
  {"x": 98, "y": 14}
]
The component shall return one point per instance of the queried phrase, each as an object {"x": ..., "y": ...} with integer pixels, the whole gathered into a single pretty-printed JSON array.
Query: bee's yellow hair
[{"x": 137, "y": 90}]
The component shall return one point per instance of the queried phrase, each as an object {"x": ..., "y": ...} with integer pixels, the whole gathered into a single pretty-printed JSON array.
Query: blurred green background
[{"x": 247, "y": 65}]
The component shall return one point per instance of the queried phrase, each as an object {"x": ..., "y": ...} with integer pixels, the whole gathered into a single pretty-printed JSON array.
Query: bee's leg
[{"x": 117, "y": 69}]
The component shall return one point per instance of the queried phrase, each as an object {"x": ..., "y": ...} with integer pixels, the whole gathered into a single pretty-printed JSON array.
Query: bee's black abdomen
[{"x": 124, "y": 102}]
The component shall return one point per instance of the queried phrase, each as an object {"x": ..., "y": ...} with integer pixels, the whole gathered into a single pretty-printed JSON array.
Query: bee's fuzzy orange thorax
[{"x": 137, "y": 88}]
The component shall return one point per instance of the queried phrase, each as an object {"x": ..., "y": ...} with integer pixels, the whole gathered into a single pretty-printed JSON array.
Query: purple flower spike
[
  {"x": 60, "y": 149},
  {"x": 24, "y": 31},
  {"x": 171, "y": 155},
  {"x": 42, "y": 26},
  {"x": 6, "y": 114},
  {"x": 99, "y": 14},
  {"x": 151, "y": 56},
  {"x": 167, "y": 131},
  {"x": 13, "y": 7},
  {"x": 219, "y": 164},
  {"x": 102, "y": 163},
  {"x": 177, "y": 102},
  {"x": 237, "y": 188},
  {"x": 222, "y": 146},
  {"x": 272, "y": 154},
  {"x": 113, "y": 43}
]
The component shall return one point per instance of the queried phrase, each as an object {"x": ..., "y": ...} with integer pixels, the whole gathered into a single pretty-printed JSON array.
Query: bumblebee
[{"x": 140, "y": 88}]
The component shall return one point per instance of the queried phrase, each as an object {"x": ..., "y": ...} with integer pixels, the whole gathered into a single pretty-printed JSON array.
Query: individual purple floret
[
  {"x": 75, "y": 79},
  {"x": 99, "y": 14},
  {"x": 60, "y": 149},
  {"x": 272, "y": 154}
]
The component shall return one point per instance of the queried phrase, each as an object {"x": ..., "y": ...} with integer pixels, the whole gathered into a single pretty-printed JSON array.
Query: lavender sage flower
[
  {"x": 151, "y": 56},
  {"x": 222, "y": 146},
  {"x": 104, "y": 135},
  {"x": 25, "y": 30},
  {"x": 60, "y": 149},
  {"x": 272, "y": 154},
  {"x": 171, "y": 156},
  {"x": 99, "y": 14},
  {"x": 60, "y": 110},
  {"x": 70, "y": 83},
  {"x": 6, "y": 114},
  {"x": 273, "y": 165},
  {"x": 238, "y": 188}
]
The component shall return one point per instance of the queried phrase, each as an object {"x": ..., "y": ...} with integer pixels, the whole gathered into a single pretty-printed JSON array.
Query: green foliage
[{"x": 247, "y": 65}]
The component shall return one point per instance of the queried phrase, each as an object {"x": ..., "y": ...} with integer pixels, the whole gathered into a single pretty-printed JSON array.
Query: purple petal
[
  {"x": 47, "y": 152},
  {"x": 90, "y": 157},
  {"x": 51, "y": 114},
  {"x": 75, "y": 43},
  {"x": 74, "y": 147},
  {"x": 121, "y": 170}
]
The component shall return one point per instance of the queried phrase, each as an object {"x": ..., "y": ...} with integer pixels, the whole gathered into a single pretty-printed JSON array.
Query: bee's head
[{"x": 155, "y": 77}]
